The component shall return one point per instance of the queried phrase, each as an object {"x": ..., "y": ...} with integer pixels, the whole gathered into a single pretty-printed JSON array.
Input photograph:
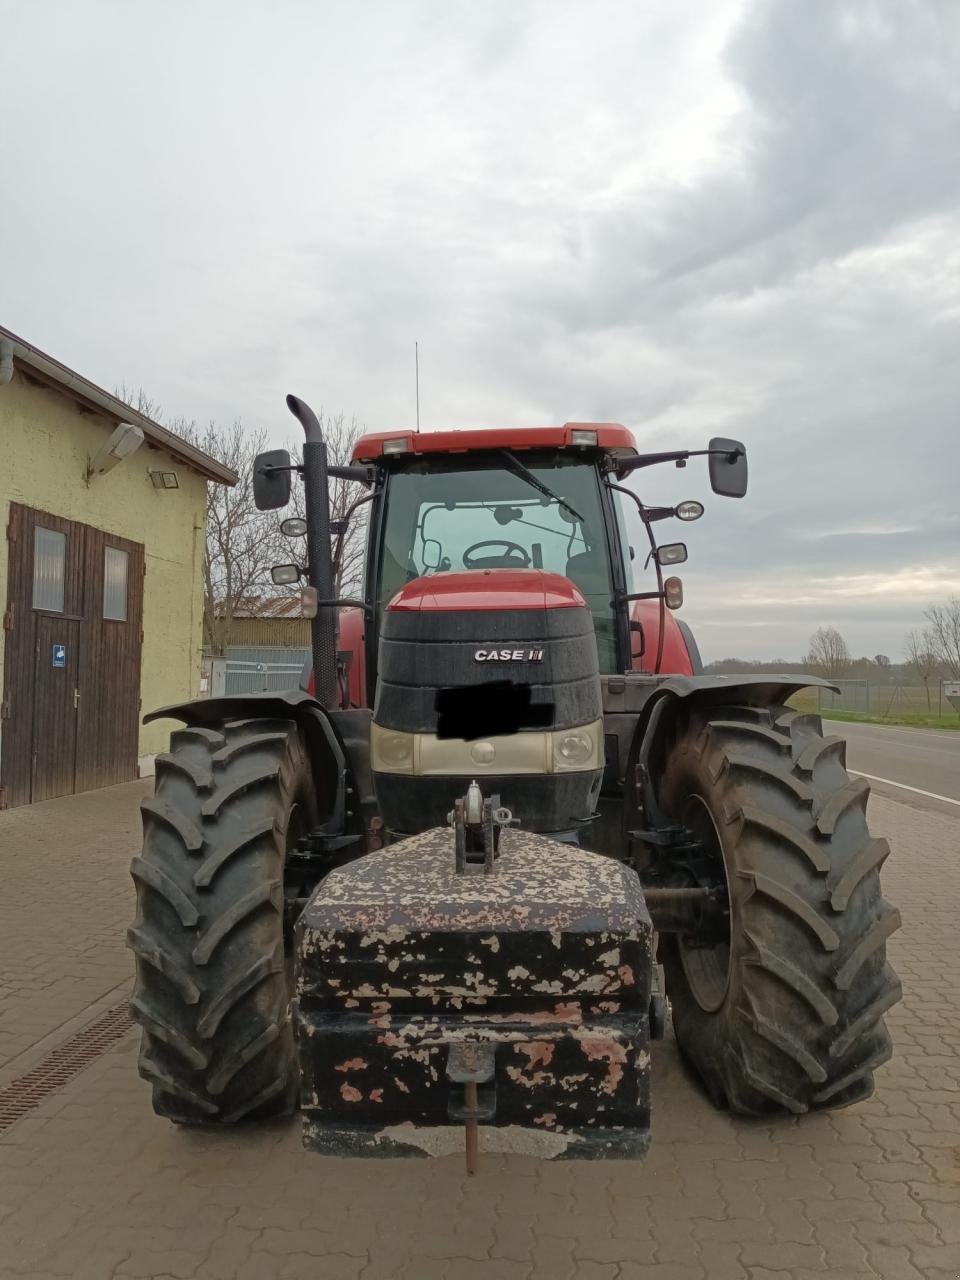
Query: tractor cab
[{"x": 454, "y": 502}]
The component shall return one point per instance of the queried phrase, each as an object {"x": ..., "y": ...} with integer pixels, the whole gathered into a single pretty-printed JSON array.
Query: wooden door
[
  {"x": 72, "y": 632},
  {"x": 56, "y": 695},
  {"x": 108, "y": 730}
]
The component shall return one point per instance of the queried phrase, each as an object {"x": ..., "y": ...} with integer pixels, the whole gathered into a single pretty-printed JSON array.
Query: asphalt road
[{"x": 916, "y": 761}]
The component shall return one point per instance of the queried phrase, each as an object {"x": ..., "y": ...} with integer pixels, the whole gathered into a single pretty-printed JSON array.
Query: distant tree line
[{"x": 930, "y": 653}]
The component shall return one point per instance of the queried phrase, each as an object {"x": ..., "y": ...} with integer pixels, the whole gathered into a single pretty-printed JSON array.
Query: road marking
[
  {"x": 893, "y": 728},
  {"x": 931, "y": 795}
]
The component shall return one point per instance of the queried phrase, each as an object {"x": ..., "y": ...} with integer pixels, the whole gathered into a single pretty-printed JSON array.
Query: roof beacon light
[
  {"x": 673, "y": 593},
  {"x": 584, "y": 438},
  {"x": 400, "y": 445}
]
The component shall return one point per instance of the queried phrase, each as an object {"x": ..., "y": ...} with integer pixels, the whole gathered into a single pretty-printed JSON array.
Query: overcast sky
[{"x": 694, "y": 217}]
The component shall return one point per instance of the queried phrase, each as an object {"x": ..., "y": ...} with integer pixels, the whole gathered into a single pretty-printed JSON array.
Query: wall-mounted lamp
[
  {"x": 123, "y": 441},
  {"x": 164, "y": 479}
]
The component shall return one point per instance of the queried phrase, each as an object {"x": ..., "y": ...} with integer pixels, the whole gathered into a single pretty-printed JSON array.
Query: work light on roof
[
  {"x": 584, "y": 438},
  {"x": 401, "y": 444}
]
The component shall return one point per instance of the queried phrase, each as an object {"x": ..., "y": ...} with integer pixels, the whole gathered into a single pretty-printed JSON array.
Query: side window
[
  {"x": 115, "y": 584},
  {"x": 629, "y": 544},
  {"x": 49, "y": 567}
]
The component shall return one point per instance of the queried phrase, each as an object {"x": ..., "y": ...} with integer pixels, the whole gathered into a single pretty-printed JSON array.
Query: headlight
[
  {"x": 390, "y": 751},
  {"x": 577, "y": 749}
]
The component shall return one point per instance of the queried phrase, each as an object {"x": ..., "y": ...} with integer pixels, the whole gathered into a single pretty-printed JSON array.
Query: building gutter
[{"x": 53, "y": 371}]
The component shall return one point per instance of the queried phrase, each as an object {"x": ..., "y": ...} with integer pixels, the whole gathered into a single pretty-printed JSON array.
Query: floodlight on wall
[
  {"x": 123, "y": 441},
  {"x": 164, "y": 479}
]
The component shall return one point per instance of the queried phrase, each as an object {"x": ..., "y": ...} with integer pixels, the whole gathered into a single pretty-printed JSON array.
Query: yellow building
[{"x": 101, "y": 580}]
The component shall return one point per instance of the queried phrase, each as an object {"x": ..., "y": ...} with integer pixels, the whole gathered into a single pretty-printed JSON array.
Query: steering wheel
[{"x": 521, "y": 560}]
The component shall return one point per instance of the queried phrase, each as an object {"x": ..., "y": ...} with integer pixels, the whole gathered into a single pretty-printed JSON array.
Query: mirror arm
[
  {"x": 679, "y": 456},
  {"x": 362, "y": 475},
  {"x": 346, "y": 602}
]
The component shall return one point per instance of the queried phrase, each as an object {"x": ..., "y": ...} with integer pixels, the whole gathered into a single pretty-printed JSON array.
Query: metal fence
[
  {"x": 254, "y": 670},
  {"x": 882, "y": 700}
]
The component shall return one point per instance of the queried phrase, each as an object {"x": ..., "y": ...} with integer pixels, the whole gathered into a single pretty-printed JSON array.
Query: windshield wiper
[{"x": 517, "y": 466}]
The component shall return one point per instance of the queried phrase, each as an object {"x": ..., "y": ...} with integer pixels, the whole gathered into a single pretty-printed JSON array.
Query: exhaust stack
[{"x": 323, "y": 627}]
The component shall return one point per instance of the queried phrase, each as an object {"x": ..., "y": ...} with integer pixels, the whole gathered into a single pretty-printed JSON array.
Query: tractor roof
[{"x": 609, "y": 436}]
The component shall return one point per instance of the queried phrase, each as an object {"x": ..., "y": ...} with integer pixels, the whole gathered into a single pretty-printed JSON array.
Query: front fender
[
  {"x": 639, "y": 709},
  {"x": 755, "y": 691},
  {"x": 328, "y": 758},
  {"x": 655, "y": 726},
  {"x": 289, "y": 703}
]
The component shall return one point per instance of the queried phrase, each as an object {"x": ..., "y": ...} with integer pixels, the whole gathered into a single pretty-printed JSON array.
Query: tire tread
[{"x": 802, "y": 1025}]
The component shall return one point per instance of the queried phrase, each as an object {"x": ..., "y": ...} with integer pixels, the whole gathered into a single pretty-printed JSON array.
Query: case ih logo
[{"x": 508, "y": 655}]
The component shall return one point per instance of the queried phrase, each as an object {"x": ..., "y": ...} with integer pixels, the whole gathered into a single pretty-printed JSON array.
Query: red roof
[
  {"x": 610, "y": 436},
  {"x": 488, "y": 589}
]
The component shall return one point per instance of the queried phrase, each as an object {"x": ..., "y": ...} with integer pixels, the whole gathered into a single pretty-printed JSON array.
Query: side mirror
[
  {"x": 728, "y": 467},
  {"x": 271, "y": 479},
  {"x": 284, "y": 575}
]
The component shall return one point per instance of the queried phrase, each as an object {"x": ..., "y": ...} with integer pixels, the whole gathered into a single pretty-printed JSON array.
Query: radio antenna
[{"x": 416, "y": 361}]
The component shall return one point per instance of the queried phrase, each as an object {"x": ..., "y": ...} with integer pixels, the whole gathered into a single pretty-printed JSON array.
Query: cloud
[{"x": 739, "y": 218}]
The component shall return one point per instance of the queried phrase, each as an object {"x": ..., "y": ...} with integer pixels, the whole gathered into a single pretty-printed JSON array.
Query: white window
[
  {"x": 115, "y": 584},
  {"x": 49, "y": 568}
]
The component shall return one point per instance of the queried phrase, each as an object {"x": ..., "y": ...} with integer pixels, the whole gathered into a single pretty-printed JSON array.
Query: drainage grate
[{"x": 62, "y": 1064}]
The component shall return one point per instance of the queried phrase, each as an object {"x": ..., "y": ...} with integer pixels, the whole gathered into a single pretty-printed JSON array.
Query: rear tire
[
  {"x": 787, "y": 1015},
  {"x": 212, "y": 990}
]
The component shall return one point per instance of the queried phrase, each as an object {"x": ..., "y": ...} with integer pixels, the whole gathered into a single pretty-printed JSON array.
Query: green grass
[{"x": 907, "y": 719}]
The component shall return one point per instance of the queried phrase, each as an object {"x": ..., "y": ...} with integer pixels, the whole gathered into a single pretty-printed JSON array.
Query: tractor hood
[
  {"x": 488, "y": 674},
  {"x": 488, "y": 589}
]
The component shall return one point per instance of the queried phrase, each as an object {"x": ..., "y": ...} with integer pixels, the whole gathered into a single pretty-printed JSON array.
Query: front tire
[
  {"x": 784, "y": 1013},
  {"x": 212, "y": 990}
]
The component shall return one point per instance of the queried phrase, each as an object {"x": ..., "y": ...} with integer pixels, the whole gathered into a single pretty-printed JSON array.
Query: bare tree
[
  {"x": 140, "y": 401},
  {"x": 242, "y": 543},
  {"x": 942, "y": 636},
  {"x": 881, "y": 660},
  {"x": 340, "y": 435},
  {"x": 922, "y": 659},
  {"x": 829, "y": 652}
]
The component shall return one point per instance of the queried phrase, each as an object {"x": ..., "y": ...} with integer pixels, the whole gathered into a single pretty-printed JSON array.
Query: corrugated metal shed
[{"x": 285, "y": 633}]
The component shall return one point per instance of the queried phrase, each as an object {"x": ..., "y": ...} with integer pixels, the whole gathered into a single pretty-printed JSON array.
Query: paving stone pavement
[
  {"x": 94, "y": 1186},
  {"x": 66, "y": 902}
]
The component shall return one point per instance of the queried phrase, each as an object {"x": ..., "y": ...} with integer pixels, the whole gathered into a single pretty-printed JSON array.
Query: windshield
[{"x": 453, "y": 516}]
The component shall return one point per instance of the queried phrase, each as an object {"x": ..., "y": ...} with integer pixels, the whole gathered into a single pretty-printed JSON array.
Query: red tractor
[{"x": 455, "y": 879}]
